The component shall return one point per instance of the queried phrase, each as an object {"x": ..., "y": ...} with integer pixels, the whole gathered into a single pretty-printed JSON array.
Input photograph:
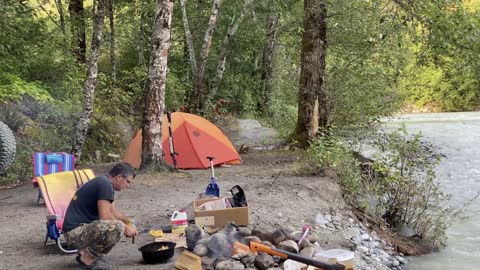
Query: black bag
[{"x": 239, "y": 199}]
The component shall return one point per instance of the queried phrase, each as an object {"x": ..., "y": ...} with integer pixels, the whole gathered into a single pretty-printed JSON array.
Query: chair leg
[
  {"x": 39, "y": 196},
  {"x": 46, "y": 239}
]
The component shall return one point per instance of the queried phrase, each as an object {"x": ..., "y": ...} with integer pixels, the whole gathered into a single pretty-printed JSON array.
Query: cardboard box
[{"x": 219, "y": 218}]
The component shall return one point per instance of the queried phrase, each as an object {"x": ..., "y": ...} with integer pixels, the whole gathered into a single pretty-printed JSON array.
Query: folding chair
[
  {"x": 58, "y": 190},
  {"x": 45, "y": 163}
]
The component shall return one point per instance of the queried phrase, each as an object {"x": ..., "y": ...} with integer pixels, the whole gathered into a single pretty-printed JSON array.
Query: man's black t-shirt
[{"x": 84, "y": 208}]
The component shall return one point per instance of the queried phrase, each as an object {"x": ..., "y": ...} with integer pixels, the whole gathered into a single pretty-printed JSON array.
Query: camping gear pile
[{"x": 236, "y": 247}]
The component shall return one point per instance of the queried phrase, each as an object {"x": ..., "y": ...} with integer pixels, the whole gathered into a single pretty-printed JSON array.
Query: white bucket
[{"x": 341, "y": 256}]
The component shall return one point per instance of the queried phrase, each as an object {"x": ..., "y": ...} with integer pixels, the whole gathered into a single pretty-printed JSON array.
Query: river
[{"x": 457, "y": 135}]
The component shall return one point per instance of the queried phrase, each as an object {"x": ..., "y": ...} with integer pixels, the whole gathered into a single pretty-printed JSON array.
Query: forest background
[{"x": 381, "y": 57}]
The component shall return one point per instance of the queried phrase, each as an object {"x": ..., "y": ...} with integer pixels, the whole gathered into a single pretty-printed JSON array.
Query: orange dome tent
[{"x": 194, "y": 139}]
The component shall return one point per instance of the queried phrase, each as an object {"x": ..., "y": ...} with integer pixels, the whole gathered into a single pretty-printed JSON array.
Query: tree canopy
[{"x": 381, "y": 56}]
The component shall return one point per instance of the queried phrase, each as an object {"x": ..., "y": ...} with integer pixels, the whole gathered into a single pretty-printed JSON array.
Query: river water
[{"x": 457, "y": 135}]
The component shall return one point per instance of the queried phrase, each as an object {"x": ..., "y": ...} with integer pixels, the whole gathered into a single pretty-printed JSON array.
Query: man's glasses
[{"x": 126, "y": 179}]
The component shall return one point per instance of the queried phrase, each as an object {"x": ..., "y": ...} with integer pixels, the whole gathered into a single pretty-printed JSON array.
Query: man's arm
[
  {"x": 104, "y": 210},
  {"x": 107, "y": 211},
  {"x": 119, "y": 215}
]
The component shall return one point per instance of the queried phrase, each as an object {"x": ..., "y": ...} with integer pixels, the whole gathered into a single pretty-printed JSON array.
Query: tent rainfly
[{"x": 194, "y": 139}]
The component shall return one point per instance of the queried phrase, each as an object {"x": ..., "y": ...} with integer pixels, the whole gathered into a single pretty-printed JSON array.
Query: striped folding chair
[
  {"x": 58, "y": 190},
  {"x": 45, "y": 163}
]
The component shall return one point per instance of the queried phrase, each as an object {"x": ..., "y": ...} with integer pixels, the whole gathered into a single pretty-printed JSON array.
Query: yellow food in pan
[{"x": 163, "y": 248}]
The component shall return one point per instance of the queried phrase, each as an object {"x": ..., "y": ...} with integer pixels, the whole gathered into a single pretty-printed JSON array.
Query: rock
[
  {"x": 208, "y": 262},
  {"x": 293, "y": 265},
  {"x": 328, "y": 218},
  {"x": 194, "y": 234},
  {"x": 362, "y": 249},
  {"x": 229, "y": 265},
  {"x": 244, "y": 231},
  {"x": 365, "y": 237},
  {"x": 263, "y": 261},
  {"x": 229, "y": 228},
  {"x": 312, "y": 237},
  {"x": 219, "y": 246},
  {"x": 278, "y": 236},
  {"x": 305, "y": 243},
  {"x": 336, "y": 219},
  {"x": 296, "y": 235},
  {"x": 201, "y": 250},
  {"x": 262, "y": 233},
  {"x": 400, "y": 259},
  {"x": 239, "y": 256},
  {"x": 286, "y": 231},
  {"x": 319, "y": 220},
  {"x": 395, "y": 263},
  {"x": 248, "y": 261},
  {"x": 307, "y": 252},
  {"x": 352, "y": 233},
  {"x": 288, "y": 245}
]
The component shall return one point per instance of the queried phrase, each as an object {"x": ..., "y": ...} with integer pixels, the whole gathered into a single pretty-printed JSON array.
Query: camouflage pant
[{"x": 98, "y": 237}]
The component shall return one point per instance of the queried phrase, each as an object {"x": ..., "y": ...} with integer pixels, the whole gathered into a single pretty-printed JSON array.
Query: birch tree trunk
[
  {"x": 197, "y": 95},
  {"x": 267, "y": 72},
  {"x": 77, "y": 28},
  {"x": 188, "y": 38},
  {"x": 312, "y": 71},
  {"x": 113, "y": 62},
  {"x": 89, "y": 90},
  {"x": 222, "y": 59},
  {"x": 152, "y": 154}
]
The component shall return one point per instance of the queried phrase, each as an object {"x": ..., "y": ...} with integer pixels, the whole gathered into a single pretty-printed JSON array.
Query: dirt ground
[{"x": 152, "y": 198}]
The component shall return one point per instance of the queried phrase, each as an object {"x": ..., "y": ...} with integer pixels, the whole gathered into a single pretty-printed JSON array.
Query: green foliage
[
  {"x": 38, "y": 126},
  {"x": 13, "y": 88},
  {"x": 399, "y": 186},
  {"x": 328, "y": 154},
  {"x": 405, "y": 185}
]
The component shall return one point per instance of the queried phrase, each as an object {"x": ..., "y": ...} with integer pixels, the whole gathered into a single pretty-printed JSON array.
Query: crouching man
[{"x": 92, "y": 223}]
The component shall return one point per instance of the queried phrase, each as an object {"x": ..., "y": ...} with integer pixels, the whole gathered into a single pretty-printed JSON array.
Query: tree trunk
[
  {"x": 267, "y": 72},
  {"x": 321, "y": 92},
  {"x": 61, "y": 14},
  {"x": 188, "y": 38},
  {"x": 141, "y": 34},
  {"x": 112, "y": 42},
  {"x": 89, "y": 91},
  {"x": 198, "y": 93},
  {"x": 232, "y": 29},
  {"x": 77, "y": 28},
  {"x": 312, "y": 71},
  {"x": 152, "y": 154}
]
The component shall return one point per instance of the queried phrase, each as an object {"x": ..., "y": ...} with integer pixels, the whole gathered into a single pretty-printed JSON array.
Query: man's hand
[{"x": 130, "y": 230}]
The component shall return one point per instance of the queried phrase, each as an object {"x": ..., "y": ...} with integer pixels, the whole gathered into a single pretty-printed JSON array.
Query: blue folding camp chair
[{"x": 45, "y": 163}]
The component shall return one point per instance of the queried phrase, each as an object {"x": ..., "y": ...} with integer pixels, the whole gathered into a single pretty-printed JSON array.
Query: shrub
[
  {"x": 409, "y": 195},
  {"x": 327, "y": 155},
  {"x": 399, "y": 186}
]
